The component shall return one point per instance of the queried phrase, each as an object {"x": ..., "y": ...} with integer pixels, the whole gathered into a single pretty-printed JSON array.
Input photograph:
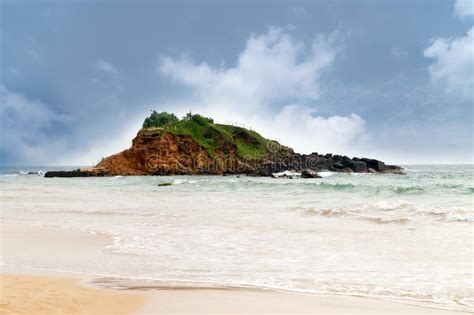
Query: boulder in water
[
  {"x": 307, "y": 173},
  {"x": 165, "y": 184},
  {"x": 358, "y": 166}
]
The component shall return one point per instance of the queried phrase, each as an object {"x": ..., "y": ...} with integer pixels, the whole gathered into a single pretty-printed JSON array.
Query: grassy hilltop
[{"x": 211, "y": 136}]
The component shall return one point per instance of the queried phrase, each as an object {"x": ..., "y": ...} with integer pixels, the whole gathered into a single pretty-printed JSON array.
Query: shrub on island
[{"x": 160, "y": 119}]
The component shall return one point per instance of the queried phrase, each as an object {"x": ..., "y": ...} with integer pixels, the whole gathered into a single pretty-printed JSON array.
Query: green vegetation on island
[{"x": 211, "y": 136}]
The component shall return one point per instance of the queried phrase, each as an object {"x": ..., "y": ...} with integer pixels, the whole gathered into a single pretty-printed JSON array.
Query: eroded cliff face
[
  {"x": 155, "y": 153},
  {"x": 161, "y": 152}
]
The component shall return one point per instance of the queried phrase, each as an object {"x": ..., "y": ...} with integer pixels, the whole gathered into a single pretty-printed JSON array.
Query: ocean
[{"x": 407, "y": 238}]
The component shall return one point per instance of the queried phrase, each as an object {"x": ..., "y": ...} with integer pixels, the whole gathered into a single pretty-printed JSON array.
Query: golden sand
[{"x": 31, "y": 295}]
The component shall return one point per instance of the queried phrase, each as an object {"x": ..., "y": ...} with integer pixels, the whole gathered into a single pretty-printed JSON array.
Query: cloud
[
  {"x": 454, "y": 64},
  {"x": 464, "y": 8},
  {"x": 34, "y": 134},
  {"x": 98, "y": 147},
  {"x": 272, "y": 68},
  {"x": 272, "y": 87},
  {"x": 26, "y": 126},
  {"x": 106, "y": 67},
  {"x": 297, "y": 124}
]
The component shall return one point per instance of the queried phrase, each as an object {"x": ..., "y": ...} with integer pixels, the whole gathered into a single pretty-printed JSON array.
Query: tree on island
[
  {"x": 201, "y": 120},
  {"x": 168, "y": 119},
  {"x": 160, "y": 119}
]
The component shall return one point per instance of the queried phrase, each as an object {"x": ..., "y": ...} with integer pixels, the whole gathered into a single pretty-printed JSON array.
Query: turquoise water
[{"x": 387, "y": 236}]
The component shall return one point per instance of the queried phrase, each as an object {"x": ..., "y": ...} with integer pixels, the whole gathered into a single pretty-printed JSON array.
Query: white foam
[
  {"x": 326, "y": 174},
  {"x": 287, "y": 174}
]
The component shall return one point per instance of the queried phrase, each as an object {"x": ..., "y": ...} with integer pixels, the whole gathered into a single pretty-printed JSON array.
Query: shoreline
[
  {"x": 146, "y": 297},
  {"x": 24, "y": 294}
]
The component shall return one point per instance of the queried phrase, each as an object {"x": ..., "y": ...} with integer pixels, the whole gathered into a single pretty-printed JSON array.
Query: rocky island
[{"x": 195, "y": 145}]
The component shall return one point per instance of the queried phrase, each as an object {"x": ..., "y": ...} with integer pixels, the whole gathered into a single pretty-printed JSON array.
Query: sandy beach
[
  {"x": 34, "y": 291},
  {"x": 22, "y": 294}
]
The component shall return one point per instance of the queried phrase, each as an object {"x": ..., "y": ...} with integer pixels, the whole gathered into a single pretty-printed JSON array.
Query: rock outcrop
[
  {"x": 213, "y": 149},
  {"x": 88, "y": 172},
  {"x": 307, "y": 173}
]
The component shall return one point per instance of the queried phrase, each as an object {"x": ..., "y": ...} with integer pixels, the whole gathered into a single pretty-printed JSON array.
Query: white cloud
[
  {"x": 464, "y": 8},
  {"x": 272, "y": 68},
  {"x": 24, "y": 129},
  {"x": 274, "y": 73},
  {"x": 97, "y": 148},
  {"x": 297, "y": 125},
  {"x": 454, "y": 64},
  {"x": 106, "y": 67}
]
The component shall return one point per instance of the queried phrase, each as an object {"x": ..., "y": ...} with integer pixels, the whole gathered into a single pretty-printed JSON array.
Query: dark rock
[
  {"x": 359, "y": 166},
  {"x": 309, "y": 174},
  {"x": 377, "y": 165},
  {"x": 97, "y": 172},
  {"x": 346, "y": 162},
  {"x": 165, "y": 184},
  {"x": 393, "y": 169}
]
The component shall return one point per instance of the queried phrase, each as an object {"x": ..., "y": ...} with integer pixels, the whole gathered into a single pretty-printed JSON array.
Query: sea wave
[
  {"x": 328, "y": 185},
  {"x": 326, "y": 174},
  {"x": 180, "y": 181},
  {"x": 104, "y": 213},
  {"x": 407, "y": 190},
  {"x": 329, "y": 213},
  {"x": 335, "y": 186},
  {"x": 32, "y": 172},
  {"x": 456, "y": 302},
  {"x": 401, "y": 213},
  {"x": 9, "y": 175},
  {"x": 387, "y": 220}
]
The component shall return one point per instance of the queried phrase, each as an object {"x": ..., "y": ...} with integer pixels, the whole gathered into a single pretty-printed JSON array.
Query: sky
[{"x": 392, "y": 80}]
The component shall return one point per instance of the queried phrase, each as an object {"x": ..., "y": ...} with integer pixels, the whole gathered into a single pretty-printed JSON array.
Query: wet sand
[{"x": 34, "y": 291}]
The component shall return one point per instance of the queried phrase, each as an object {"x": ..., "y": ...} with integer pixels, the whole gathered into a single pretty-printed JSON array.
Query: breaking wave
[{"x": 399, "y": 214}]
